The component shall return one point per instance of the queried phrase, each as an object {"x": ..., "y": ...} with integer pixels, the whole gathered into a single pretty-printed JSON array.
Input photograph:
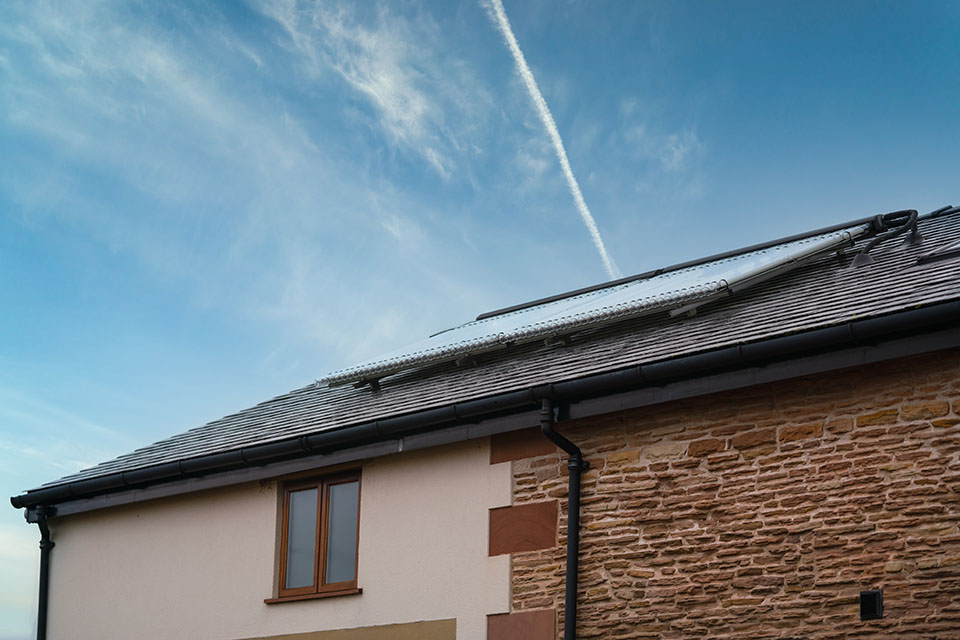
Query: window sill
[{"x": 314, "y": 596}]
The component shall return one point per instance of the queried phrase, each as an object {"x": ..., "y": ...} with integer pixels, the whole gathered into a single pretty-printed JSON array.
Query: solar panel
[{"x": 678, "y": 291}]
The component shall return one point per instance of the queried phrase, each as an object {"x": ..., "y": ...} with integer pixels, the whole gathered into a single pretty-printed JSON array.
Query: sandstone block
[
  {"x": 754, "y": 439},
  {"x": 924, "y": 411},
  {"x": 757, "y": 452},
  {"x": 840, "y": 425},
  {"x": 619, "y": 457},
  {"x": 801, "y": 432},
  {"x": 663, "y": 450},
  {"x": 887, "y": 416},
  {"x": 699, "y": 448}
]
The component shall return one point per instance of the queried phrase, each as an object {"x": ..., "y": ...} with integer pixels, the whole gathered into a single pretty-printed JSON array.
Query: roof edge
[{"x": 859, "y": 332}]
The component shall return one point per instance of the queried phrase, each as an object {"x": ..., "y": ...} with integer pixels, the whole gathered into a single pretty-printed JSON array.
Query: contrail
[{"x": 499, "y": 15}]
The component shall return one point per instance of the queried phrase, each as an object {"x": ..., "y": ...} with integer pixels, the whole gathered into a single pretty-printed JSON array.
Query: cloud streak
[
  {"x": 499, "y": 16},
  {"x": 423, "y": 102},
  {"x": 171, "y": 134}
]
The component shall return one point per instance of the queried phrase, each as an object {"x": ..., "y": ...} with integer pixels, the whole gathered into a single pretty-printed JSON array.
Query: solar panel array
[{"x": 677, "y": 291}]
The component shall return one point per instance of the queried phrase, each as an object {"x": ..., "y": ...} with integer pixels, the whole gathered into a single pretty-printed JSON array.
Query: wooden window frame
[{"x": 319, "y": 588}]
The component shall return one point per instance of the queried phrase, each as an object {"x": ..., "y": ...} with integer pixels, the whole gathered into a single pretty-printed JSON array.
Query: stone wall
[{"x": 763, "y": 513}]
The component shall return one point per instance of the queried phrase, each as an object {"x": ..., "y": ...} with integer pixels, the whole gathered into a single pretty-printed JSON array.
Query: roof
[{"x": 822, "y": 291}]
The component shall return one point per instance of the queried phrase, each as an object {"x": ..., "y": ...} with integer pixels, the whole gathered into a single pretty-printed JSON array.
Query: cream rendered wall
[{"x": 199, "y": 566}]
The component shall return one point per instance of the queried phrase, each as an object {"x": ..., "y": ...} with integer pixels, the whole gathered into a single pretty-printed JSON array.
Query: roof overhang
[{"x": 858, "y": 342}]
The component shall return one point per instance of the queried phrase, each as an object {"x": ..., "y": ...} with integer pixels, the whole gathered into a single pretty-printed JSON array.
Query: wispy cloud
[
  {"x": 678, "y": 149},
  {"x": 40, "y": 435},
  {"x": 20, "y": 406},
  {"x": 254, "y": 174},
  {"x": 422, "y": 100},
  {"x": 675, "y": 152},
  {"x": 233, "y": 195},
  {"x": 404, "y": 230},
  {"x": 499, "y": 16}
]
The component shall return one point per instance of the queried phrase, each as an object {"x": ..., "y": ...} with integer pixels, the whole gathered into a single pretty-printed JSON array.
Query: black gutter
[
  {"x": 855, "y": 333},
  {"x": 879, "y": 223},
  {"x": 576, "y": 465},
  {"x": 46, "y": 544}
]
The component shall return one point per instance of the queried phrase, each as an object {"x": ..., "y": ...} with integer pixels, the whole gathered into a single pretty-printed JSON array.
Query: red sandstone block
[
  {"x": 754, "y": 438},
  {"x": 756, "y": 452},
  {"x": 699, "y": 448},
  {"x": 947, "y": 422},
  {"x": 924, "y": 411},
  {"x": 800, "y": 432},
  {"x": 887, "y": 416},
  {"x": 526, "y": 527}
]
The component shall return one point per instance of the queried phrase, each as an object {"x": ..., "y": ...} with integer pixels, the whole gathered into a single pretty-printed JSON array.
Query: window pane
[
  {"x": 301, "y": 538},
  {"x": 342, "y": 532}
]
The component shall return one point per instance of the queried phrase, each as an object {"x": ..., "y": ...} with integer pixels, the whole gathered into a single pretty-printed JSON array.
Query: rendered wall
[
  {"x": 200, "y": 566},
  {"x": 763, "y": 513}
]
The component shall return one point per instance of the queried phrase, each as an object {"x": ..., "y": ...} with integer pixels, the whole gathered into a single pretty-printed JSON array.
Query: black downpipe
[
  {"x": 576, "y": 464},
  {"x": 46, "y": 544}
]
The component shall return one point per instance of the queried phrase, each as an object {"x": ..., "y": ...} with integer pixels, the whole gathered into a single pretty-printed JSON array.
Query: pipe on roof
[
  {"x": 853, "y": 333},
  {"x": 863, "y": 258}
]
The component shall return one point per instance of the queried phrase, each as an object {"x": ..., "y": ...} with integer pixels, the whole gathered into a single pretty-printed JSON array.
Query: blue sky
[{"x": 205, "y": 204}]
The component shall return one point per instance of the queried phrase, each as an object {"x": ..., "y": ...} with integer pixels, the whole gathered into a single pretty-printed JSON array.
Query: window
[{"x": 318, "y": 537}]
